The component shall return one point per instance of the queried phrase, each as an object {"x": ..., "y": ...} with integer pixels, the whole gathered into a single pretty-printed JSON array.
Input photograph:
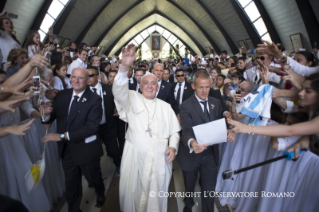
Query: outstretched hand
[
  {"x": 269, "y": 48},
  {"x": 128, "y": 55},
  {"x": 20, "y": 129},
  {"x": 237, "y": 127}
]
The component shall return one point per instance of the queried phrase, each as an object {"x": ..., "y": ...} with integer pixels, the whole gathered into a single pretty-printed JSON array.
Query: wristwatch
[{"x": 62, "y": 136}]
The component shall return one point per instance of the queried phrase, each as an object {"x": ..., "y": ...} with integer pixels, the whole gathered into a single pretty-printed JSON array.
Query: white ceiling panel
[
  {"x": 79, "y": 17},
  {"x": 287, "y": 20},
  {"x": 194, "y": 9},
  {"x": 110, "y": 14},
  {"x": 27, "y": 12},
  {"x": 226, "y": 15}
]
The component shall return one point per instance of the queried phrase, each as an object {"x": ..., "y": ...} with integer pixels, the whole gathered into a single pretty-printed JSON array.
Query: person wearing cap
[{"x": 152, "y": 140}]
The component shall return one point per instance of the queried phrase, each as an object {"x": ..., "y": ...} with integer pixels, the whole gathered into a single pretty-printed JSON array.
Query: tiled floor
[{"x": 111, "y": 182}]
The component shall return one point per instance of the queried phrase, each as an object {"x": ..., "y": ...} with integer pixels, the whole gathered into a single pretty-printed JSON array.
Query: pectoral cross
[{"x": 149, "y": 130}]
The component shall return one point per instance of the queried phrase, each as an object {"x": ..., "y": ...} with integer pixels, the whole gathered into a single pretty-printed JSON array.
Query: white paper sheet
[{"x": 211, "y": 133}]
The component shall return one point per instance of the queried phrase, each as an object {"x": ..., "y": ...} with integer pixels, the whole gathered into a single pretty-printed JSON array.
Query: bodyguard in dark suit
[
  {"x": 182, "y": 89},
  {"x": 139, "y": 73},
  {"x": 197, "y": 158},
  {"x": 107, "y": 128},
  {"x": 165, "y": 88},
  {"x": 78, "y": 112}
]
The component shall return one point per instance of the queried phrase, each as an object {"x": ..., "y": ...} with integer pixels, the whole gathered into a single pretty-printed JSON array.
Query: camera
[
  {"x": 233, "y": 65},
  {"x": 238, "y": 92},
  {"x": 227, "y": 174}
]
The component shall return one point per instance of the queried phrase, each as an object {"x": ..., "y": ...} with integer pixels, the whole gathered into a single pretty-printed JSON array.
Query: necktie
[
  {"x": 73, "y": 111},
  {"x": 179, "y": 94},
  {"x": 206, "y": 114},
  {"x": 94, "y": 90}
]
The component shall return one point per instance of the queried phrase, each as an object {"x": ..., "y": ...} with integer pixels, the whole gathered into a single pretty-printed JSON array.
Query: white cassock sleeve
[{"x": 173, "y": 141}]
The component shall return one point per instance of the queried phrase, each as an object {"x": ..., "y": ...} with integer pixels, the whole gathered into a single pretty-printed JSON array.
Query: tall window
[
  {"x": 252, "y": 12},
  {"x": 54, "y": 11}
]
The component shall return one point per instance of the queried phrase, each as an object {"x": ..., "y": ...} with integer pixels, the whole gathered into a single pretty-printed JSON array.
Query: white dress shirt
[
  {"x": 99, "y": 92},
  {"x": 131, "y": 80},
  {"x": 182, "y": 91},
  {"x": 202, "y": 106},
  {"x": 74, "y": 94},
  {"x": 137, "y": 86},
  {"x": 76, "y": 63}
]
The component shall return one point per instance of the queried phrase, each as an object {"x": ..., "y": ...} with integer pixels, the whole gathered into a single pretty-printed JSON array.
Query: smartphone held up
[{"x": 36, "y": 84}]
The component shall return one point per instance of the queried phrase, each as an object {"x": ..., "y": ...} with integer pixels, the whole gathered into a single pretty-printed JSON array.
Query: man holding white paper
[{"x": 194, "y": 157}]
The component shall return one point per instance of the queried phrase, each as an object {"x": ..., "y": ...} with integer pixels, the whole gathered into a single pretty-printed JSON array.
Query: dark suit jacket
[
  {"x": 171, "y": 78},
  {"x": 192, "y": 115},
  {"x": 109, "y": 106},
  {"x": 165, "y": 93},
  {"x": 188, "y": 91},
  {"x": 216, "y": 94},
  {"x": 85, "y": 124},
  {"x": 132, "y": 86}
]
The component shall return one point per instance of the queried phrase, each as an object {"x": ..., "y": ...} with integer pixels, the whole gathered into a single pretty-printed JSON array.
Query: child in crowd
[
  {"x": 236, "y": 79},
  {"x": 33, "y": 43},
  {"x": 220, "y": 83}
]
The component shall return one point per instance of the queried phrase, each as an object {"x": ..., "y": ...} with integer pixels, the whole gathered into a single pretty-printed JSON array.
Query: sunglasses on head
[
  {"x": 182, "y": 75},
  {"x": 92, "y": 75}
]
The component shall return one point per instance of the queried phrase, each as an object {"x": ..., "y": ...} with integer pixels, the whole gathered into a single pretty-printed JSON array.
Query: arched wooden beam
[
  {"x": 230, "y": 42},
  {"x": 99, "y": 40},
  {"x": 119, "y": 51},
  {"x": 211, "y": 41},
  {"x": 88, "y": 26},
  {"x": 203, "y": 51}
]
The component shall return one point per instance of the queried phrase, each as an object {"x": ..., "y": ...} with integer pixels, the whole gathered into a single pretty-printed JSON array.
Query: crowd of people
[{"x": 143, "y": 112}]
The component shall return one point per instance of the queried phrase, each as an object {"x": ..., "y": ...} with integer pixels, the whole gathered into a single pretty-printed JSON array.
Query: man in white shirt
[{"x": 80, "y": 62}]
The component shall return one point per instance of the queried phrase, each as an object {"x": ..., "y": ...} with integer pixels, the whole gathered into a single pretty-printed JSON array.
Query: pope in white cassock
[{"x": 151, "y": 143}]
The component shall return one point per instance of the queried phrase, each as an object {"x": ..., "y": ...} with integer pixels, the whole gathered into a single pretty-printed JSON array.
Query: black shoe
[
  {"x": 100, "y": 201},
  {"x": 187, "y": 209},
  {"x": 118, "y": 168}
]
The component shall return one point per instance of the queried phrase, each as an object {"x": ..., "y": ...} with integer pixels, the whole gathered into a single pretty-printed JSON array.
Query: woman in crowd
[
  {"x": 17, "y": 59},
  {"x": 61, "y": 82},
  {"x": 215, "y": 71},
  {"x": 305, "y": 58},
  {"x": 47, "y": 81},
  {"x": 8, "y": 40},
  {"x": 105, "y": 68},
  {"x": 308, "y": 97},
  {"x": 56, "y": 58},
  {"x": 33, "y": 43}
]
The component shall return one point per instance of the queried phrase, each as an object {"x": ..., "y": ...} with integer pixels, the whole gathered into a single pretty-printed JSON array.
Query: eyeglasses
[
  {"x": 92, "y": 75},
  {"x": 182, "y": 75}
]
